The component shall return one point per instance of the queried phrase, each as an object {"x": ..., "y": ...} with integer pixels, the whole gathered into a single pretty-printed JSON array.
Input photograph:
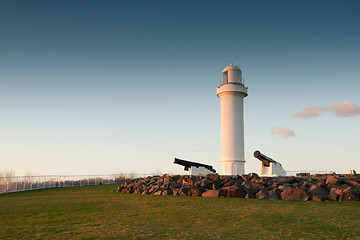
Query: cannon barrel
[
  {"x": 188, "y": 164},
  {"x": 265, "y": 159},
  {"x": 184, "y": 163}
]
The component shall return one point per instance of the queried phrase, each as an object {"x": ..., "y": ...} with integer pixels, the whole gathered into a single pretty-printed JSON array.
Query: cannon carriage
[{"x": 268, "y": 166}]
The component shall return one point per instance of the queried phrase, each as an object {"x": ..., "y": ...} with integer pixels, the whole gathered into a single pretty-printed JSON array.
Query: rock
[
  {"x": 336, "y": 190},
  {"x": 222, "y": 193},
  {"x": 332, "y": 180},
  {"x": 354, "y": 189},
  {"x": 259, "y": 180},
  {"x": 305, "y": 185},
  {"x": 212, "y": 176},
  {"x": 167, "y": 180},
  {"x": 319, "y": 181},
  {"x": 210, "y": 193},
  {"x": 175, "y": 184},
  {"x": 348, "y": 196},
  {"x": 137, "y": 191},
  {"x": 229, "y": 183},
  {"x": 146, "y": 191},
  {"x": 217, "y": 184},
  {"x": 317, "y": 193},
  {"x": 175, "y": 178},
  {"x": 252, "y": 176},
  {"x": 137, "y": 184},
  {"x": 282, "y": 187},
  {"x": 262, "y": 194},
  {"x": 317, "y": 198},
  {"x": 274, "y": 195},
  {"x": 167, "y": 192},
  {"x": 187, "y": 182},
  {"x": 352, "y": 183},
  {"x": 296, "y": 184},
  {"x": 125, "y": 190},
  {"x": 165, "y": 176},
  {"x": 244, "y": 178},
  {"x": 120, "y": 188},
  {"x": 295, "y": 194},
  {"x": 335, "y": 193},
  {"x": 214, "y": 193},
  {"x": 333, "y": 197},
  {"x": 284, "y": 180},
  {"x": 252, "y": 187},
  {"x": 196, "y": 191},
  {"x": 153, "y": 189},
  {"x": 184, "y": 191},
  {"x": 238, "y": 181},
  {"x": 159, "y": 192},
  {"x": 250, "y": 195},
  {"x": 271, "y": 186},
  {"x": 206, "y": 183},
  {"x": 234, "y": 191},
  {"x": 281, "y": 180},
  {"x": 293, "y": 180}
]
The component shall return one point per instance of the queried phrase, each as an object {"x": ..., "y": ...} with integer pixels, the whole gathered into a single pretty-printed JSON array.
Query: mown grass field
[{"x": 97, "y": 212}]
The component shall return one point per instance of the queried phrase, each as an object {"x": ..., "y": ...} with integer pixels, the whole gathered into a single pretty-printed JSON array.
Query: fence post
[{"x": 16, "y": 184}]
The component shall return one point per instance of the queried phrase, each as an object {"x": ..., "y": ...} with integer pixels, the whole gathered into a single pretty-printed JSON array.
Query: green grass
[{"x": 97, "y": 212}]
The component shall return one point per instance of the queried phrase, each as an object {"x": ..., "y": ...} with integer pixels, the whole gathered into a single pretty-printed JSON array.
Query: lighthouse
[{"x": 232, "y": 92}]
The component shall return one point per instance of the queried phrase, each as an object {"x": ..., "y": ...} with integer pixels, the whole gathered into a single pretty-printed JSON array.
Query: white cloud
[
  {"x": 344, "y": 109},
  {"x": 285, "y": 132},
  {"x": 310, "y": 112}
]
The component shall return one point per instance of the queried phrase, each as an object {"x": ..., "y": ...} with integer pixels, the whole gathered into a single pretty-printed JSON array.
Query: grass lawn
[{"x": 96, "y": 212}]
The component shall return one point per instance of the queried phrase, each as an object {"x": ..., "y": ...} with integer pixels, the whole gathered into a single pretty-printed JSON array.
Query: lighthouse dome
[{"x": 231, "y": 67}]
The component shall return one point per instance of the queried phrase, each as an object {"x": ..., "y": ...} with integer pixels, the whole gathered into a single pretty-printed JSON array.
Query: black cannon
[
  {"x": 265, "y": 159},
  {"x": 188, "y": 164}
]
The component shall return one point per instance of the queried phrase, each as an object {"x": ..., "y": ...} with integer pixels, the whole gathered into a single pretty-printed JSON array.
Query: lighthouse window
[{"x": 225, "y": 77}]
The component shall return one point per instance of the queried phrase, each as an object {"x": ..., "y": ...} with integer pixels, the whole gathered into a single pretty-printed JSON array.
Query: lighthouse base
[{"x": 233, "y": 168}]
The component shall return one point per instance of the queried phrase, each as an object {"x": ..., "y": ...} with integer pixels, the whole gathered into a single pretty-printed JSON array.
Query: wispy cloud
[
  {"x": 285, "y": 132},
  {"x": 344, "y": 109},
  {"x": 310, "y": 112}
]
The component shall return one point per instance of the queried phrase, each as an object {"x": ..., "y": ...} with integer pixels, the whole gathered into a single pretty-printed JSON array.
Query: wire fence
[
  {"x": 27, "y": 183},
  {"x": 307, "y": 172}
]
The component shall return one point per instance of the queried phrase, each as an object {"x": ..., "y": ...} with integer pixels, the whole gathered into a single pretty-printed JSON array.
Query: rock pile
[{"x": 315, "y": 187}]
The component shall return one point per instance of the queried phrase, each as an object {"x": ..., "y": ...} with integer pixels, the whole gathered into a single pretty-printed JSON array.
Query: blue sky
[{"x": 92, "y": 87}]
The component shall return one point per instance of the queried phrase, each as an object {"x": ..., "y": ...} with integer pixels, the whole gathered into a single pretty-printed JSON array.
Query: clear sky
[{"x": 93, "y": 87}]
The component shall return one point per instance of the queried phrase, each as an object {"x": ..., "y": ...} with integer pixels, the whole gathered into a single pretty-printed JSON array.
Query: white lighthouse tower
[{"x": 232, "y": 93}]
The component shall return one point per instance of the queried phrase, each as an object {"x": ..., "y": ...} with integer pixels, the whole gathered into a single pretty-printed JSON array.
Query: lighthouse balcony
[{"x": 232, "y": 87}]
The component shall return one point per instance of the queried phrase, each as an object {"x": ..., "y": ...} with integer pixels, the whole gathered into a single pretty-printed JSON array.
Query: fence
[
  {"x": 26, "y": 183},
  {"x": 307, "y": 172}
]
